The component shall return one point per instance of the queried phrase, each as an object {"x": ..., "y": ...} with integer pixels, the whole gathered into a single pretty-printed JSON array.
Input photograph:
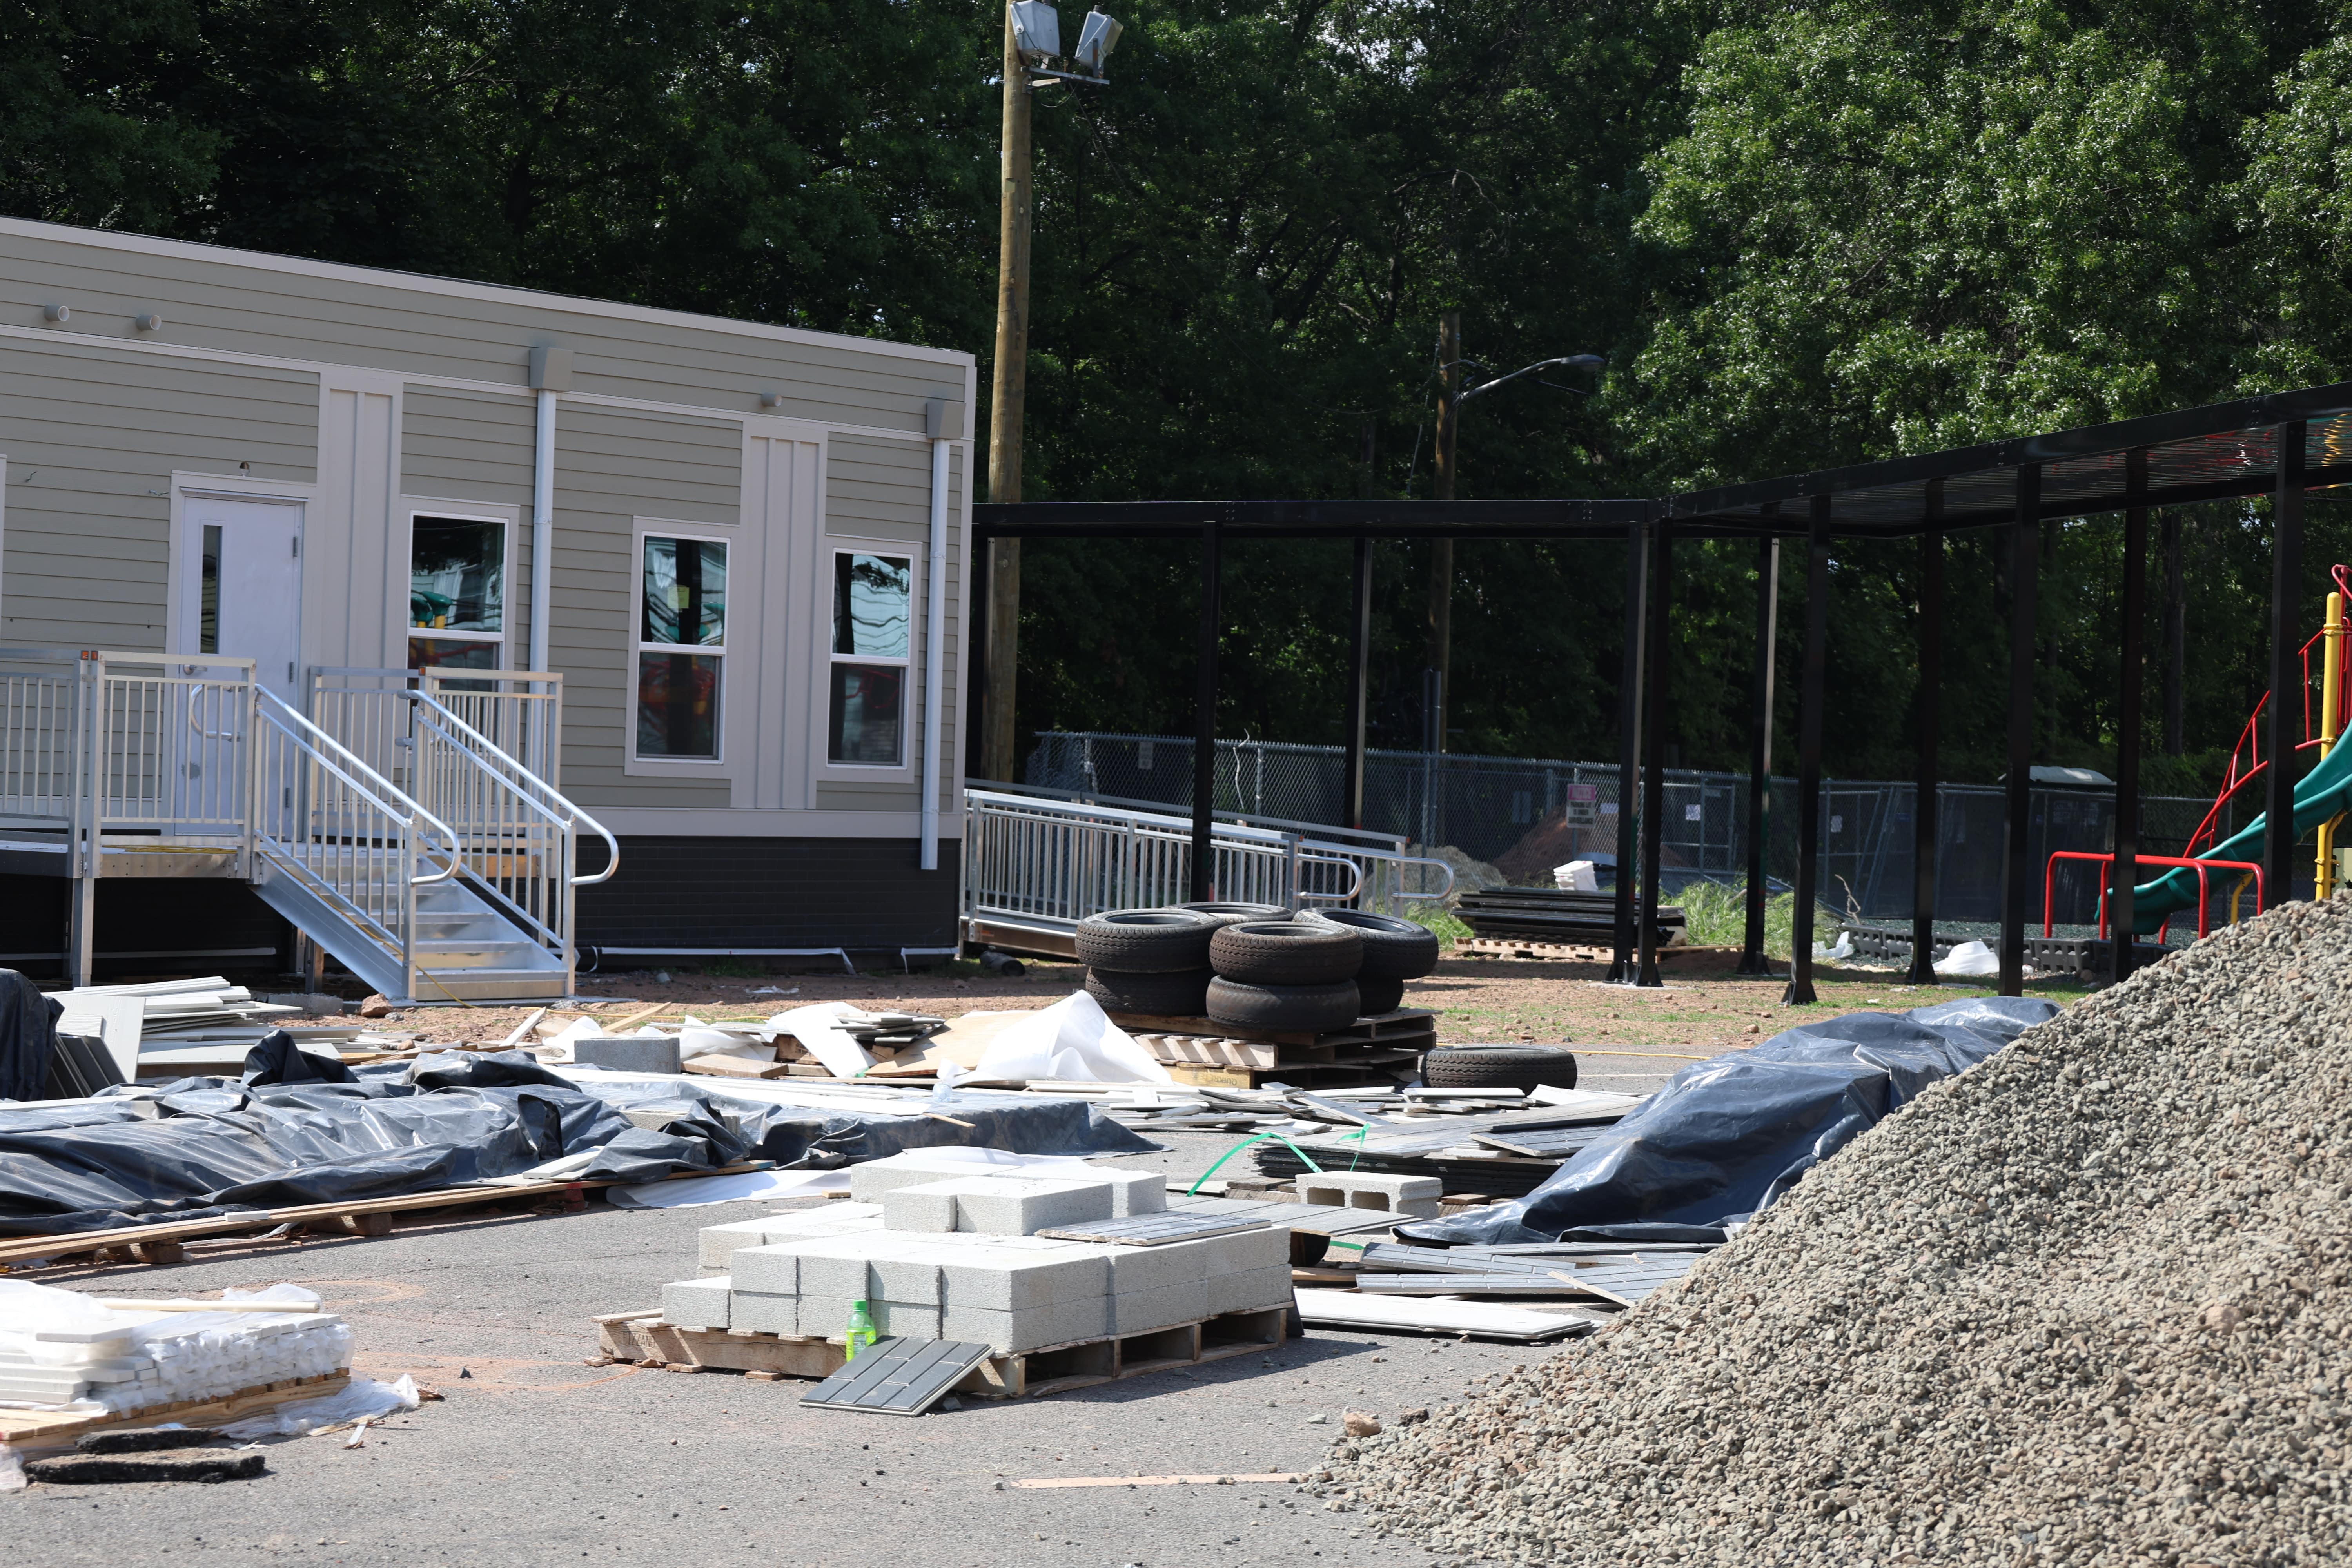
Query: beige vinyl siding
[
  {"x": 247, "y": 303},
  {"x": 466, "y": 445},
  {"x": 92, "y": 435},
  {"x": 878, "y": 489},
  {"x": 612, "y": 467},
  {"x": 834, "y": 795}
]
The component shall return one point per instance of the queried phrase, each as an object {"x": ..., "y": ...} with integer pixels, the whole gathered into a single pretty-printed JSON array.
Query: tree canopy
[{"x": 1803, "y": 235}]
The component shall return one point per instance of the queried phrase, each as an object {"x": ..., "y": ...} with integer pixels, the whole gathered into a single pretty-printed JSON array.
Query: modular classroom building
[{"x": 725, "y": 538}]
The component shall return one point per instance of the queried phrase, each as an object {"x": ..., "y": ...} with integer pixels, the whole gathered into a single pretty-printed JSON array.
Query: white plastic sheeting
[{"x": 1074, "y": 1040}]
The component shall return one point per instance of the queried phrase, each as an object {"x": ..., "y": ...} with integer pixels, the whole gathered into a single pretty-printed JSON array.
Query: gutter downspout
[
  {"x": 551, "y": 376},
  {"x": 936, "y": 414}
]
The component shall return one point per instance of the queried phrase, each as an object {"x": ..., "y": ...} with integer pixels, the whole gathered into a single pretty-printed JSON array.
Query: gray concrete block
[
  {"x": 1011, "y": 1333},
  {"x": 695, "y": 1303},
  {"x": 869, "y": 1181},
  {"x": 1401, "y": 1195},
  {"x": 1143, "y": 1310},
  {"x": 1246, "y": 1292},
  {"x": 1246, "y": 1250},
  {"x": 627, "y": 1053},
  {"x": 825, "y": 1317},
  {"x": 772, "y": 1270},
  {"x": 926, "y": 1207},
  {"x": 912, "y": 1278},
  {"x": 906, "y": 1320},
  {"x": 1138, "y": 1269},
  {"x": 759, "y": 1313},
  {"x": 1135, "y": 1192},
  {"x": 1012, "y": 1279},
  {"x": 841, "y": 1265},
  {"x": 1011, "y": 1206},
  {"x": 717, "y": 1243}
]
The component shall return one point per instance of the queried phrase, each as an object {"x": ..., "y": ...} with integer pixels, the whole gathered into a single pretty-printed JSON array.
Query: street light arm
[{"x": 1468, "y": 392}]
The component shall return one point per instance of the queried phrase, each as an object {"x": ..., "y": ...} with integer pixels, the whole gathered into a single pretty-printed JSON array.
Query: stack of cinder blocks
[
  {"x": 957, "y": 1258},
  {"x": 1414, "y": 1195}
]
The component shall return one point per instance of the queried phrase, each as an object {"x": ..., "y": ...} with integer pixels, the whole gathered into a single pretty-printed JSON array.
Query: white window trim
[
  {"x": 411, "y": 512},
  {"x": 183, "y": 573},
  {"x": 727, "y": 652},
  {"x": 831, "y": 547}
]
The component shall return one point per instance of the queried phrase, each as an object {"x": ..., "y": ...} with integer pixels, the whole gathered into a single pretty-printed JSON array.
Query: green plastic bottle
[{"x": 860, "y": 1335}]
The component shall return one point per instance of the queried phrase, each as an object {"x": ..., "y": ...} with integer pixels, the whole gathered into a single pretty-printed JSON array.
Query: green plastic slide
[{"x": 2325, "y": 792}]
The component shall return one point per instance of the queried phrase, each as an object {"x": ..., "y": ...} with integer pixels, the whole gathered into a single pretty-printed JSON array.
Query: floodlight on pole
[{"x": 1033, "y": 39}]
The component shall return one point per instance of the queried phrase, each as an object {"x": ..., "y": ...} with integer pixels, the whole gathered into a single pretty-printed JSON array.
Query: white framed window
[
  {"x": 873, "y": 620},
  {"x": 681, "y": 648},
  {"x": 457, "y": 580}
]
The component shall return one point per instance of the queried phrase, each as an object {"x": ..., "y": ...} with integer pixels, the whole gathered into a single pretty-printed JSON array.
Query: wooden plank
[
  {"x": 33, "y": 1429},
  {"x": 720, "y": 1065}
]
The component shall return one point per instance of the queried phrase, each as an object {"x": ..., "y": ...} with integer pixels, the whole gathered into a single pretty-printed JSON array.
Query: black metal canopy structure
[{"x": 2279, "y": 445}]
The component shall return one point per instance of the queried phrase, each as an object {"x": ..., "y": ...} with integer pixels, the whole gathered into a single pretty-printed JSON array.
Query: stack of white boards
[{"x": 60, "y": 1347}]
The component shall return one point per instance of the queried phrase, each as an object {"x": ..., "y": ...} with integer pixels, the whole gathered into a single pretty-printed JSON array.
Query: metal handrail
[
  {"x": 484, "y": 749},
  {"x": 334, "y": 753}
]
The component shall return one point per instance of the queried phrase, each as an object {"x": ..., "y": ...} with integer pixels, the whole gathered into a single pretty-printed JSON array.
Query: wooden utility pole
[
  {"x": 1441, "y": 551},
  {"x": 1011, "y": 386}
]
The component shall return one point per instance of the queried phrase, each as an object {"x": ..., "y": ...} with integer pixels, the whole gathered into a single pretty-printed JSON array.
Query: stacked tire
[
  {"x": 1395, "y": 951},
  {"x": 1153, "y": 962},
  {"x": 1285, "y": 974}
]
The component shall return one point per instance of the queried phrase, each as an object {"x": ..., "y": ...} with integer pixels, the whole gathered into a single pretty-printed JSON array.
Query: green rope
[{"x": 1305, "y": 1158}]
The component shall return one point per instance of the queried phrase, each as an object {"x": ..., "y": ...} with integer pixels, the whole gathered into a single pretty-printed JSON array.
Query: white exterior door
[{"x": 247, "y": 587}]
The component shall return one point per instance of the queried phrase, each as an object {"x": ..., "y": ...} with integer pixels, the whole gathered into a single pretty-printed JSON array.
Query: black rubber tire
[
  {"x": 1394, "y": 949},
  {"x": 1286, "y": 952},
  {"x": 1154, "y": 996},
  {"x": 1499, "y": 1067},
  {"x": 1234, "y": 914},
  {"x": 1378, "y": 996},
  {"x": 1242, "y": 1005},
  {"x": 1146, "y": 941}
]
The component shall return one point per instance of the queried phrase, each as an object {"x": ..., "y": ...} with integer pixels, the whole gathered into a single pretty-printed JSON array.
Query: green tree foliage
[{"x": 1804, "y": 235}]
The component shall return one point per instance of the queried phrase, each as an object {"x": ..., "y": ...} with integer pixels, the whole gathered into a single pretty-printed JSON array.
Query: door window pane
[
  {"x": 456, "y": 575},
  {"x": 684, "y": 592},
  {"x": 208, "y": 609},
  {"x": 867, "y": 702},
  {"x": 871, "y": 596},
  {"x": 677, "y": 705}
]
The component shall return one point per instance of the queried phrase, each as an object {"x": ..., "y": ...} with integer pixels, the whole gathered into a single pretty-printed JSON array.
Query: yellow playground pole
[{"x": 2331, "y": 696}]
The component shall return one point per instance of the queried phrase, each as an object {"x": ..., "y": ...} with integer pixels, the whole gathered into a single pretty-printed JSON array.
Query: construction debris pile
[{"x": 2082, "y": 1304}]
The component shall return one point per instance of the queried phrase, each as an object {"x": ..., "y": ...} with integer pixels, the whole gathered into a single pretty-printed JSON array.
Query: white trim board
[
  {"x": 742, "y": 821},
  {"x": 456, "y": 288}
]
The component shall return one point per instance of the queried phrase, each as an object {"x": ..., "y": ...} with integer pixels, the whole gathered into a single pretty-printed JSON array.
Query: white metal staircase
[{"x": 388, "y": 824}]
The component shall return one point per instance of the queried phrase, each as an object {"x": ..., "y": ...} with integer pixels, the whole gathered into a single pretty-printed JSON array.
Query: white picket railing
[{"x": 1048, "y": 864}]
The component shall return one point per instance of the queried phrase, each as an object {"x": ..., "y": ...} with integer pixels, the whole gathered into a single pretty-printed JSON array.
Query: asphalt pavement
[{"x": 533, "y": 1457}]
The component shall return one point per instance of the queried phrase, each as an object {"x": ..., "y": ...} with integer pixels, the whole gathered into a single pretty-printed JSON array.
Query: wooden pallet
[
  {"x": 1383, "y": 1031},
  {"x": 31, "y": 1430},
  {"x": 1202, "y": 1051},
  {"x": 646, "y": 1339},
  {"x": 1366, "y": 1072},
  {"x": 163, "y": 1242}
]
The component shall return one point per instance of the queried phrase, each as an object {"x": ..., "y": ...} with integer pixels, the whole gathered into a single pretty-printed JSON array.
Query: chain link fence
[{"x": 1523, "y": 815}]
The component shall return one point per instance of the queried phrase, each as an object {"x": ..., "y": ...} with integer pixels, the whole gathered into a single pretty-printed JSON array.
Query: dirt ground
[{"x": 1702, "y": 1008}]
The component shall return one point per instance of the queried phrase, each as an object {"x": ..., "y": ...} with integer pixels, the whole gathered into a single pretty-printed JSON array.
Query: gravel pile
[{"x": 2084, "y": 1305}]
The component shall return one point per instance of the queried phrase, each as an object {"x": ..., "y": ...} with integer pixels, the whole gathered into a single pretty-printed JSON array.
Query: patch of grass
[
  {"x": 1439, "y": 920},
  {"x": 1717, "y": 915}
]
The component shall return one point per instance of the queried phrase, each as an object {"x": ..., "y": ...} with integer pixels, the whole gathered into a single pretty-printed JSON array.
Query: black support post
[
  {"x": 1752, "y": 958},
  {"x": 1204, "y": 734},
  {"x": 1810, "y": 699},
  {"x": 2286, "y": 666},
  {"x": 1653, "y": 748},
  {"x": 1359, "y": 652},
  {"x": 1925, "y": 823},
  {"x": 2121, "y": 911},
  {"x": 1629, "y": 740},
  {"x": 2017, "y": 879}
]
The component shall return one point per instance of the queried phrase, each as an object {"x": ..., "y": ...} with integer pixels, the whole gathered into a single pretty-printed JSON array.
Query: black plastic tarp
[
  {"x": 1728, "y": 1136},
  {"x": 28, "y": 1036},
  {"x": 206, "y": 1146}
]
